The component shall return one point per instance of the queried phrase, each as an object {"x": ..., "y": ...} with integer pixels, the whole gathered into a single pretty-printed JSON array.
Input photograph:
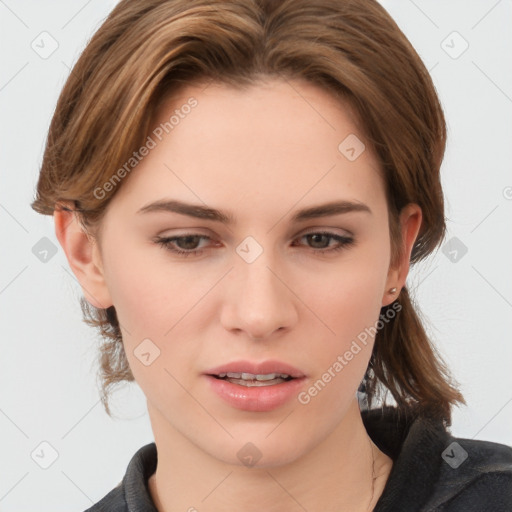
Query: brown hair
[{"x": 144, "y": 51}]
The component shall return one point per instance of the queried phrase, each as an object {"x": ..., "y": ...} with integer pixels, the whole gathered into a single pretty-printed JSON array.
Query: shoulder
[
  {"x": 474, "y": 476},
  {"x": 434, "y": 471},
  {"x": 132, "y": 492}
]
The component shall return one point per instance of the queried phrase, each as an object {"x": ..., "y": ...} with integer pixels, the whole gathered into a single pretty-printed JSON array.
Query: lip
[
  {"x": 256, "y": 399},
  {"x": 263, "y": 367}
]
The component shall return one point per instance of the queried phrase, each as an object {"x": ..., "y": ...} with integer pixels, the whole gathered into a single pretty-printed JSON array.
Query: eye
[
  {"x": 322, "y": 239},
  {"x": 187, "y": 244}
]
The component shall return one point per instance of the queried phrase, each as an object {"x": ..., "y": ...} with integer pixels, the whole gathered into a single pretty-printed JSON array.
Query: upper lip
[{"x": 261, "y": 368}]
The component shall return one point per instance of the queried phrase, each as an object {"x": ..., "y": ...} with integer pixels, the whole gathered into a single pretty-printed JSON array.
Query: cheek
[
  {"x": 350, "y": 306},
  {"x": 348, "y": 298},
  {"x": 157, "y": 301},
  {"x": 150, "y": 294}
]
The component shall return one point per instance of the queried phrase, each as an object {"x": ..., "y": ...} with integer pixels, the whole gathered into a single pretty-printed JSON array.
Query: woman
[{"x": 240, "y": 188}]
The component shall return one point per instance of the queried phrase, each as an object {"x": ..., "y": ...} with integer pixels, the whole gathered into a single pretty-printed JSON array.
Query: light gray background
[{"x": 47, "y": 372}]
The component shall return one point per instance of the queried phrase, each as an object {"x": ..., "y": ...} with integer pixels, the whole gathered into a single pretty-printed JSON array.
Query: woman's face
[{"x": 265, "y": 286}]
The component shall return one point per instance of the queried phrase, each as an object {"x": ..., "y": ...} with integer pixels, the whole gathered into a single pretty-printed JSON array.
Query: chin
[{"x": 261, "y": 450}]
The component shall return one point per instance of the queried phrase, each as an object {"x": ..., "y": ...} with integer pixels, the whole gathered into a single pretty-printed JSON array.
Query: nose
[{"x": 258, "y": 300}]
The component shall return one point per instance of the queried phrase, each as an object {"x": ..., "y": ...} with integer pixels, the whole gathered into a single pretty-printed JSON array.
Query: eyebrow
[{"x": 204, "y": 212}]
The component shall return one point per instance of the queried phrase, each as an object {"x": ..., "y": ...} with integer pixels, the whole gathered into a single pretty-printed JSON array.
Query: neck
[{"x": 346, "y": 471}]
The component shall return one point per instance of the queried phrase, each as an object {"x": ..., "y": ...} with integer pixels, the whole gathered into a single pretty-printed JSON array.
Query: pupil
[
  {"x": 188, "y": 240},
  {"x": 314, "y": 238}
]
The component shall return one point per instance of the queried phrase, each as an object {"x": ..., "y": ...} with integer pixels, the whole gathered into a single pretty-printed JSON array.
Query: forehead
[
  {"x": 274, "y": 142},
  {"x": 279, "y": 102}
]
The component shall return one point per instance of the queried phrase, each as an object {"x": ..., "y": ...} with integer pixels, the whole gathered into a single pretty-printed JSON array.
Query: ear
[
  {"x": 410, "y": 223},
  {"x": 83, "y": 256}
]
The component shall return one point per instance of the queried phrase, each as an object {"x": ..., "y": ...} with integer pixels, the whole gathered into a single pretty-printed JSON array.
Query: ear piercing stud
[{"x": 392, "y": 290}]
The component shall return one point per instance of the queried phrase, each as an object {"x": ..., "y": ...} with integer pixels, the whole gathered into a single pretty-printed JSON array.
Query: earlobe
[
  {"x": 83, "y": 256},
  {"x": 410, "y": 223}
]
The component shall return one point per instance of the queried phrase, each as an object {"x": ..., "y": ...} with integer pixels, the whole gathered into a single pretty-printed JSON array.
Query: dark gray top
[{"x": 432, "y": 471}]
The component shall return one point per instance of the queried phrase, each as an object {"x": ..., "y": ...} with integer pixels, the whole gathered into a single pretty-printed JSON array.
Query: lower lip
[{"x": 256, "y": 398}]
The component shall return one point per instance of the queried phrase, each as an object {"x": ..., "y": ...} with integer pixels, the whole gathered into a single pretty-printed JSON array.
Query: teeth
[
  {"x": 257, "y": 383},
  {"x": 251, "y": 376}
]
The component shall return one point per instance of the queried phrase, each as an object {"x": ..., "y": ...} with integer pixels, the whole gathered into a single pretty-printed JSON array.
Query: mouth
[
  {"x": 256, "y": 387},
  {"x": 250, "y": 373},
  {"x": 254, "y": 380}
]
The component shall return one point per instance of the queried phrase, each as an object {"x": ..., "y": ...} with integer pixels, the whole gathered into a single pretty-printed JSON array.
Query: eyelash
[{"x": 166, "y": 243}]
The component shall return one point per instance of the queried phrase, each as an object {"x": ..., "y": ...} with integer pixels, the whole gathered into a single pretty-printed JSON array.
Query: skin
[{"x": 262, "y": 154}]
